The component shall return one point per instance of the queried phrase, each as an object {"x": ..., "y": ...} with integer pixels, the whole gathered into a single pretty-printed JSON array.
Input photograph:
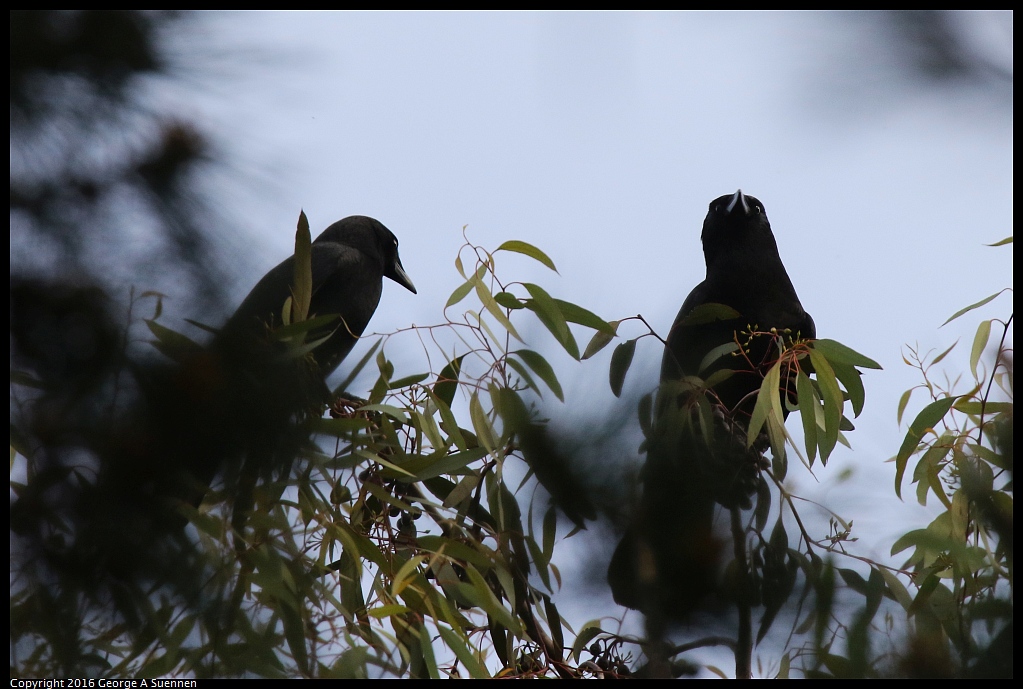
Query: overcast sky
[{"x": 601, "y": 138}]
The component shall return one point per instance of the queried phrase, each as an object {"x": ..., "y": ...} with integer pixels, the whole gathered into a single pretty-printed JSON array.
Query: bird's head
[
  {"x": 369, "y": 236},
  {"x": 733, "y": 221}
]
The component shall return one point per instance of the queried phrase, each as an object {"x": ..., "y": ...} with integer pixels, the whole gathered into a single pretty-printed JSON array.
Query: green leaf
[
  {"x": 396, "y": 413},
  {"x": 979, "y": 343},
  {"x": 709, "y": 313},
  {"x": 426, "y": 646},
  {"x": 490, "y": 602},
  {"x": 715, "y": 354},
  {"x": 971, "y": 307},
  {"x": 433, "y": 465},
  {"x": 853, "y": 382},
  {"x": 807, "y": 413},
  {"x": 927, "y": 419},
  {"x": 172, "y": 344},
  {"x": 768, "y": 404},
  {"x": 550, "y": 526},
  {"x": 407, "y": 381},
  {"x": 1003, "y": 242},
  {"x": 487, "y": 299},
  {"x": 833, "y": 401},
  {"x": 338, "y": 428},
  {"x": 554, "y": 622},
  {"x": 621, "y": 359},
  {"x": 461, "y": 291},
  {"x": 588, "y": 631},
  {"x": 836, "y": 351},
  {"x": 546, "y": 309},
  {"x": 763, "y": 508},
  {"x": 524, "y": 374},
  {"x": 464, "y": 653},
  {"x": 896, "y": 588},
  {"x": 577, "y": 314},
  {"x": 447, "y": 381},
  {"x": 645, "y": 412},
  {"x": 903, "y": 403},
  {"x": 508, "y": 300},
  {"x": 968, "y": 406},
  {"x": 542, "y": 369},
  {"x": 527, "y": 250},
  {"x": 302, "y": 289},
  {"x": 541, "y": 562},
  {"x": 599, "y": 340},
  {"x": 944, "y": 354},
  {"x": 481, "y": 423},
  {"x": 387, "y": 610},
  {"x": 718, "y": 377}
]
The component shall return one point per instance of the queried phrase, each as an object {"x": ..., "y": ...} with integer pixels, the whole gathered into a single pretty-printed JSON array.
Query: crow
[
  {"x": 721, "y": 344},
  {"x": 251, "y": 393},
  {"x": 349, "y": 261}
]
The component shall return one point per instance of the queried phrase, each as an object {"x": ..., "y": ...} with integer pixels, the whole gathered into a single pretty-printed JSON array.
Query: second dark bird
[{"x": 667, "y": 561}]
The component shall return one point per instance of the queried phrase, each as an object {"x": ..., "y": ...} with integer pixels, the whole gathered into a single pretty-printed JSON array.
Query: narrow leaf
[
  {"x": 928, "y": 418},
  {"x": 979, "y": 343},
  {"x": 546, "y": 309},
  {"x": 807, "y": 414},
  {"x": 709, "y": 313},
  {"x": 542, "y": 369},
  {"x": 768, "y": 403},
  {"x": 407, "y": 381},
  {"x": 836, "y": 351},
  {"x": 577, "y": 314},
  {"x": 971, "y": 307},
  {"x": 528, "y": 250},
  {"x": 621, "y": 359},
  {"x": 524, "y": 374},
  {"x": 302, "y": 289},
  {"x": 833, "y": 401},
  {"x": 481, "y": 424},
  {"x": 464, "y": 654},
  {"x": 903, "y": 402},
  {"x": 508, "y": 300},
  {"x": 447, "y": 381},
  {"x": 426, "y": 646},
  {"x": 715, "y": 354},
  {"x": 852, "y": 380},
  {"x": 599, "y": 340},
  {"x": 460, "y": 292},
  {"x": 487, "y": 299},
  {"x": 944, "y": 353},
  {"x": 171, "y": 343}
]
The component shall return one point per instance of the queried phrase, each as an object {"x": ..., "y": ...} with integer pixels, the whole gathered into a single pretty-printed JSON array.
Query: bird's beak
[
  {"x": 398, "y": 274},
  {"x": 738, "y": 198}
]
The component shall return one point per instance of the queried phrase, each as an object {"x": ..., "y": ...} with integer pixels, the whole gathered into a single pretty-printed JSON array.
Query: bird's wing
[{"x": 345, "y": 282}]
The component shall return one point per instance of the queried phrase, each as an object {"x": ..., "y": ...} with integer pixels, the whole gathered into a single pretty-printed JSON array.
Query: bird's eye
[
  {"x": 758, "y": 209},
  {"x": 717, "y": 207}
]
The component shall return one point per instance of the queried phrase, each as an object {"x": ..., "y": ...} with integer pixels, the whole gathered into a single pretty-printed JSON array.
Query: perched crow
[
  {"x": 696, "y": 453},
  {"x": 349, "y": 261},
  {"x": 250, "y": 395}
]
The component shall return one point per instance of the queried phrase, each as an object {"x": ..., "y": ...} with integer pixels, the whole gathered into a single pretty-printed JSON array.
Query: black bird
[
  {"x": 248, "y": 398},
  {"x": 667, "y": 561},
  {"x": 349, "y": 261}
]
